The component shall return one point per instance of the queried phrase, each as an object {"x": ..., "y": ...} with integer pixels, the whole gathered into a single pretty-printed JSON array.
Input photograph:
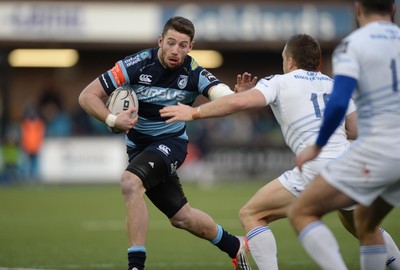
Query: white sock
[
  {"x": 393, "y": 259},
  {"x": 321, "y": 246},
  {"x": 263, "y": 247},
  {"x": 373, "y": 257}
]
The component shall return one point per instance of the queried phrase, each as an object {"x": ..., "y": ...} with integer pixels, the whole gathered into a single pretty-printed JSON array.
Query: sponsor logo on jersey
[
  {"x": 312, "y": 73},
  {"x": 132, "y": 60},
  {"x": 144, "y": 55},
  {"x": 136, "y": 58},
  {"x": 164, "y": 149},
  {"x": 182, "y": 81},
  {"x": 208, "y": 75},
  {"x": 269, "y": 77},
  {"x": 154, "y": 94},
  {"x": 145, "y": 78},
  {"x": 116, "y": 73}
]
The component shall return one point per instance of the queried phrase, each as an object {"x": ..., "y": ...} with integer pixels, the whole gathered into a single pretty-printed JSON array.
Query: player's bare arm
[
  {"x": 351, "y": 126},
  {"x": 223, "y": 106},
  {"x": 92, "y": 99}
]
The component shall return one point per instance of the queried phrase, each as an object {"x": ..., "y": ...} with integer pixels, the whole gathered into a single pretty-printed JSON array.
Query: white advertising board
[{"x": 83, "y": 160}]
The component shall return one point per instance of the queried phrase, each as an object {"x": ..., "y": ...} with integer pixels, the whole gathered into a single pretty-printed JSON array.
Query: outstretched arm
[{"x": 226, "y": 105}]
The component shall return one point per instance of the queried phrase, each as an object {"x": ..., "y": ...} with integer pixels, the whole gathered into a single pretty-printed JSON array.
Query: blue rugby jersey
[{"x": 155, "y": 88}]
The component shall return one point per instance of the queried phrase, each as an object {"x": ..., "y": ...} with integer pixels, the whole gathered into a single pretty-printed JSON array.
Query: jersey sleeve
[
  {"x": 269, "y": 87},
  {"x": 123, "y": 71},
  {"x": 206, "y": 81},
  {"x": 344, "y": 59}
]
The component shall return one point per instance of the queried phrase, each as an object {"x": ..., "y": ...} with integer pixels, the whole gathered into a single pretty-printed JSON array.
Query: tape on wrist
[
  {"x": 110, "y": 120},
  {"x": 195, "y": 113}
]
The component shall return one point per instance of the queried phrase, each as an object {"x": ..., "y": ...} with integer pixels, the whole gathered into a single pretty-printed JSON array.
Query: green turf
[{"x": 82, "y": 228}]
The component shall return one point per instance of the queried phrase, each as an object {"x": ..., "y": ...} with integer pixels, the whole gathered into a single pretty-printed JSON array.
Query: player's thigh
[
  {"x": 270, "y": 202},
  {"x": 320, "y": 198}
]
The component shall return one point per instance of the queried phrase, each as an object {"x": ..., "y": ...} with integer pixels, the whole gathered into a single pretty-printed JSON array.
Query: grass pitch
[{"x": 82, "y": 227}]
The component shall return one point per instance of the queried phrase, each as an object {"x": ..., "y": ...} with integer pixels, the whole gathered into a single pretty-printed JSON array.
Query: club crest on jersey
[
  {"x": 210, "y": 77},
  {"x": 182, "y": 81}
]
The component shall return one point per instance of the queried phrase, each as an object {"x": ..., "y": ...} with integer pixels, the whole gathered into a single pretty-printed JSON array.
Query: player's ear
[
  {"x": 357, "y": 8},
  {"x": 160, "y": 41},
  {"x": 393, "y": 10},
  {"x": 291, "y": 63}
]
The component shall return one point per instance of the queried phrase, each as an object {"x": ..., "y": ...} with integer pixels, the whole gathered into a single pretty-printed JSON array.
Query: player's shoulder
[
  {"x": 140, "y": 58},
  {"x": 271, "y": 78},
  {"x": 362, "y": 35}
]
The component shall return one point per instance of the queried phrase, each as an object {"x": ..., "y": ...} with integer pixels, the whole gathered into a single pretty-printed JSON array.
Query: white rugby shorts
[
  {"x": 365, "y": 173},
  {"x": 295, "y": 181}
]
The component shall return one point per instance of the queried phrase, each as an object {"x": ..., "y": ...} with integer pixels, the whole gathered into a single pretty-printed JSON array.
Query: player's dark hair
[
  {"x": 180, "y": 24},
  {"x": 305, "y": 50},
  {"x": 382, "y": 7}
]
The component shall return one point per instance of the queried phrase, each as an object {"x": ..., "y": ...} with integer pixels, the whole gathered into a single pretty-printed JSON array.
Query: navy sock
[
  {"x": 227, "y": 242},
  {"x": 136, "y": 259}
]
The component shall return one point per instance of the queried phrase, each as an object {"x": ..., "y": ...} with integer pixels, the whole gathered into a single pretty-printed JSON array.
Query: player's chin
[{"x": 173, "y": 64}]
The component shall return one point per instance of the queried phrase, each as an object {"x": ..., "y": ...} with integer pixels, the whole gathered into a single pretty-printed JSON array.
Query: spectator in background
[
  {"x": 11, "y": 154},
  {"x": 58, "y": 122},
  {"x": 32, "y": 136}
]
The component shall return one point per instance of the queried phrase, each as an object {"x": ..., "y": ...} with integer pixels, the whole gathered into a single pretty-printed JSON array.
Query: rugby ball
[{"x": 122, "y": 99}]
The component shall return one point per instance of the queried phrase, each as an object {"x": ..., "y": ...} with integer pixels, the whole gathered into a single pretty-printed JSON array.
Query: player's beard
[{"x": 165, "y": 61}]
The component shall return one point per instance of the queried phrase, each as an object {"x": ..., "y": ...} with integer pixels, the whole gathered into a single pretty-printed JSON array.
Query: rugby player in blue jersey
[{"x": 160, "y": 76}]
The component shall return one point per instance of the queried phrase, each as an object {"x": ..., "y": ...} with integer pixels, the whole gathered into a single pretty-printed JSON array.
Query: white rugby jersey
[
  {"x": 298, "y": 100},
  {"x": 371, "y": 55}
]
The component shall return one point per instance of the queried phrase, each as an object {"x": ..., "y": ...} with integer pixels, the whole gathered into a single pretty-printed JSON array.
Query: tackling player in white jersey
[
  {"x": 367, "y": 63},
  {"x": 297, "y": 99}
]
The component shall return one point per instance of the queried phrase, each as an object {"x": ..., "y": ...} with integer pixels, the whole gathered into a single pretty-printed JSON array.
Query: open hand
[
  {"x": 244, "y": 82},
  {"x": 178, "y": 112}
]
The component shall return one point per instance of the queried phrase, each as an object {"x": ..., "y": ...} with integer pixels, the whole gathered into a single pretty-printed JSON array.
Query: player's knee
[
  {"x": 244, "y": 215},
  {"x": 183, "y": 219},
  {"x": 130, "y": 184},
  {"x": 293, "y": 212},
  {"x": 177, "y": 223}
]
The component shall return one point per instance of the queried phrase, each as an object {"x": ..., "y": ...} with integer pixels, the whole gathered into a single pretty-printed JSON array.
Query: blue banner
[{"x": 266, "y": 22}]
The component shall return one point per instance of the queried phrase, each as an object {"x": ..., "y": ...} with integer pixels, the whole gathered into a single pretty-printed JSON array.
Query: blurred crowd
[{"x": 47, "y": 118}]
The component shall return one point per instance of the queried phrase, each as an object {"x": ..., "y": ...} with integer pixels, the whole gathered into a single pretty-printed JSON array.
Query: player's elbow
[{"x": 82, "y": 99}]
